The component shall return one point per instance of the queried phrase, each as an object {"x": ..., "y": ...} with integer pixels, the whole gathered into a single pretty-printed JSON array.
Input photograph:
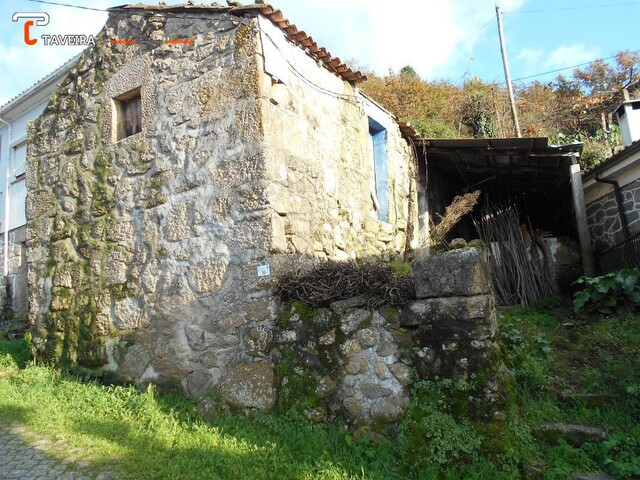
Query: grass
[
  {"x": 140, "y": 435},
  {"x": 555, "y": 355},
  {"x": 577, "y": 369}
]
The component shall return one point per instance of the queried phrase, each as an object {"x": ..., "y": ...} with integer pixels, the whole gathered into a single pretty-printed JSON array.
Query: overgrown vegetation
[
  {"x": 567, "y": 367},
  {"x": 566, "y": 109},
  {"x": 321, "y": 284},
  {"x": 608, "y": 292}
]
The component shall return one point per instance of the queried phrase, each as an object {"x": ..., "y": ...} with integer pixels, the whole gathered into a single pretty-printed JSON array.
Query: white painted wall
[
  {"x": 624, "y": 172},
  {"x": 13, "y": 154},
  {"x": 629, "y": 121}
]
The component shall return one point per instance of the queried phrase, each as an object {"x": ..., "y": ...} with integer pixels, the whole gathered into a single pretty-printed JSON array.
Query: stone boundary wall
[
  {"x": 357, "y": 364},
  {"x": 14, "y": 297}
]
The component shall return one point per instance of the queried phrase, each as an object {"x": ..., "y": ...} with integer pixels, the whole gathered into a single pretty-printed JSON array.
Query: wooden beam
[{"x": 581, "y": 218}]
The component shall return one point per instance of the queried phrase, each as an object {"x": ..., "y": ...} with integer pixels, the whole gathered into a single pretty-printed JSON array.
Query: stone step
[
  {"x": 589, "y": 400},
  {"x": 574, "y": 435},
  {"x": 591, "y": 476}
]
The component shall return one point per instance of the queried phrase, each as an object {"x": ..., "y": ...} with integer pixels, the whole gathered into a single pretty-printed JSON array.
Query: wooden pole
[
  {"x": 581, "y": 218},
  {"x": 507, "y": 73}
]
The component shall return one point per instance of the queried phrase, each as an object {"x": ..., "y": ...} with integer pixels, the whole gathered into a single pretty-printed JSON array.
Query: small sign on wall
[{"x": 264, "y": 270}]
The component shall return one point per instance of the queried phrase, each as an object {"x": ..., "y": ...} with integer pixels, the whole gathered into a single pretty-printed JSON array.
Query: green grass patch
[
  {"x": 567, "y": 368},
  {"x": 140, "y": 435}
]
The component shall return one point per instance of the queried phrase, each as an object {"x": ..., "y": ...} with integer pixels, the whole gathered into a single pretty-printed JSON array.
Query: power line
[
  {"x": 159, "y": 11},
  {"x": 585, "y": 7},
  {"x": 46, "y": 2},
  {"x": 482, "y": 28},
  {"x": 568, "y": 68}
]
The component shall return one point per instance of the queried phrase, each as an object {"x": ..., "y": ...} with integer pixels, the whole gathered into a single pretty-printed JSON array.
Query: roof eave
[{"x": 38, "y": 92}]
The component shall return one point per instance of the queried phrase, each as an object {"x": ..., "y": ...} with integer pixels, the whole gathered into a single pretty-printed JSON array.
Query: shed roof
[
  {"x": 298, "y": 37},
  {"x": 613, "y": 160},
  {"x": 530, "y": 163}
]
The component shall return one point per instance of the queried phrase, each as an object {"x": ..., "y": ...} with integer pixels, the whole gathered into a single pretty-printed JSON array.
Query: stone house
[
  {"x": 188, "y": 159},
  {"x": 612, "y": 196}
]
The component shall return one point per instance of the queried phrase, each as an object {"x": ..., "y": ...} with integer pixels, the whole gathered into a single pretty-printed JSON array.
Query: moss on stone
[{"x": 296, "y": 383}]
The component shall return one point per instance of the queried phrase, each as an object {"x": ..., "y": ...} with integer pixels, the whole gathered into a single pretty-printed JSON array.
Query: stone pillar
[{"x": 455, "y": 324}]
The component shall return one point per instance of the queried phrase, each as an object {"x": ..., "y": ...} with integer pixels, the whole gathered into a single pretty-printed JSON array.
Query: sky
[{"x": 450, "y": 40}]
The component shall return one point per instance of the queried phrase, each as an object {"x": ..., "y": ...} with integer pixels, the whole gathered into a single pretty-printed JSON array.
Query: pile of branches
[
  {"x": 461, "y": 206},
  {"x": 328, "y": 282},
  {"x": 517, "y": 258}
]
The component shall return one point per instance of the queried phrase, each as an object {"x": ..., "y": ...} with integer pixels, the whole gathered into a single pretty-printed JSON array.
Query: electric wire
[
  {"x": 486, "y": 24},
  {"x": 535, "y": 75},
  {"x": 568, "y": 68},
  {"x": 584, "y": 7},
  {"x": 59, "y": 4}
]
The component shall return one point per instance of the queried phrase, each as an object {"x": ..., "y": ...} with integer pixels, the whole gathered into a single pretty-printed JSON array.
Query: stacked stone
[
  {"x": 455, "y": 322},
  {"x": 356, "y": 363}
]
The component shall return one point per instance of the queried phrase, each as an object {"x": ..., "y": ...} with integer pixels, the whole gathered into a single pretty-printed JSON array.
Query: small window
[
  {"x": 19, "y": 160},
  {"x": 128, "y": 114}
]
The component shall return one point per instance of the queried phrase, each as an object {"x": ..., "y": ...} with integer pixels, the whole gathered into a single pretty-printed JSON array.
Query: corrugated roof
[
  {"x": 526, "y": 164},
  {"x": 61, "y": 70},
  {"x": 533, "y": 146},
  {"x": 298, "y": 37},
  {"x": 611, "y": 161}
]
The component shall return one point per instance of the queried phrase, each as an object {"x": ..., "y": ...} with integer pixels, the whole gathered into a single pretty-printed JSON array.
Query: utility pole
[{"x": 507, "y": 73}]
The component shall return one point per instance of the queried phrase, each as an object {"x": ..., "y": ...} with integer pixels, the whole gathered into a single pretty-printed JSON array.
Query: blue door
[{"x": 378, "y": 136}]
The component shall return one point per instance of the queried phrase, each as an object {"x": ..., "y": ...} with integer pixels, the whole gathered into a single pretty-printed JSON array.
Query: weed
[
  {"x": 621, "y": 455},
  {"x": 608, "y": 292}
]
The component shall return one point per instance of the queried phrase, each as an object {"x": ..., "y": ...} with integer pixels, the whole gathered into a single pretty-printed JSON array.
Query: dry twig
[{"x": 322, "y": 284}]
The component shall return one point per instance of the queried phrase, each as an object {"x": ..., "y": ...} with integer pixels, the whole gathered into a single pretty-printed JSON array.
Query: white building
[{"x": 14, "y": 117}]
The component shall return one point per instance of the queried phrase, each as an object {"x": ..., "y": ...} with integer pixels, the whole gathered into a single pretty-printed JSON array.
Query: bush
[
  {"x": 606, "y": 293},
  {"x": 621, "y": 456}
]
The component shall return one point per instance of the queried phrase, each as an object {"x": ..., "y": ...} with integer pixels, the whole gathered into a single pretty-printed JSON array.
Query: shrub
[
  {"x": 621, "y": 456},
  {"x": 608, "y": 292}
]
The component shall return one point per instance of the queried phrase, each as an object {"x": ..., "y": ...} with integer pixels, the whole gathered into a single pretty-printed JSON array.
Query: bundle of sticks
[{"x": 520, "y": 269}]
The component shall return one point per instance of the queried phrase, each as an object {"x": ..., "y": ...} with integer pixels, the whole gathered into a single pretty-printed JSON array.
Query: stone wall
[
  {"x": 320, "y": 164},
  {"x": 14, "y": 298},
  {"x": 143, "y": 252},
  {"x": 456, "y": 327},
  {"x": 357, "y": 364},
  {"x": 604, "y": 220},
  {"x": 344, "y": 362}
]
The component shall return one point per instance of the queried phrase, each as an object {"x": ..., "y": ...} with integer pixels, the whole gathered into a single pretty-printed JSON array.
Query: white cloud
[
  {"x": 567, "y": 55},
  {"x": 531, "y": 59},
  {"x": 425, "y": 34},
  {"x": 535, "y": 60}
]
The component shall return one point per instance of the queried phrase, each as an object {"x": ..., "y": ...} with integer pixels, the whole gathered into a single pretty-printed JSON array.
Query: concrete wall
[
  {"x": 12, "y": 152},
  {"x": 143, "y": 253}
]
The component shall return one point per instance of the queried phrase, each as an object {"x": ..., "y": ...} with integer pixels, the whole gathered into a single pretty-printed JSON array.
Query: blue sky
[{"x": 443, "y": 39}]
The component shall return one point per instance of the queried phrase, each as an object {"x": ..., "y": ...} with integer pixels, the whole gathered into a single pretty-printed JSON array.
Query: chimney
[{"x": 629, "y": 119}]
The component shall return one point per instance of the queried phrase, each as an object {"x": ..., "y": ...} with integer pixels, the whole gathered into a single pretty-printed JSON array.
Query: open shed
[{"x": 542, "y": 181}]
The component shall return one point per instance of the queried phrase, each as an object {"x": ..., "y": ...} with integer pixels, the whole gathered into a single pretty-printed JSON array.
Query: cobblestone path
[{"x": 24, "y": 458}]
